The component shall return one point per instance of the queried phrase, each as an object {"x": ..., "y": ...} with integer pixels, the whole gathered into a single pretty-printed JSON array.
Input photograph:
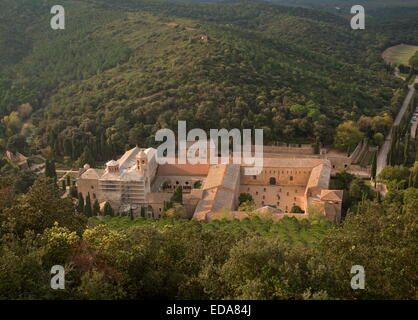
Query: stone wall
[{"x": 278, "y": 176}]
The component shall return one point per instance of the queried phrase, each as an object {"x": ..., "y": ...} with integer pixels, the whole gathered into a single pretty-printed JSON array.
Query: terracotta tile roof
[
  {"x": 319, "y": 177},
  {"x": 332, "y": 195},
  {"x": 183, "y": 170},
  {"x": 92, "y": 174}
]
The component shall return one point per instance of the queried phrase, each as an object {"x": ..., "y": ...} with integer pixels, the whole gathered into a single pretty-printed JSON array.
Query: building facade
[{"x": 136, "y": 180}]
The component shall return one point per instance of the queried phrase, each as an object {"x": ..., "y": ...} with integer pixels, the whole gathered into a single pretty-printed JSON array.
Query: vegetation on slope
[
  {"x": 121, "y": 71},
  {"x": 118, "y": 258}
]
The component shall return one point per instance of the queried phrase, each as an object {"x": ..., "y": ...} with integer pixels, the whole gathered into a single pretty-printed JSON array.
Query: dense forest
[
  {"x": 256, "y": 258},
  {"x": 122, "y": 70}
]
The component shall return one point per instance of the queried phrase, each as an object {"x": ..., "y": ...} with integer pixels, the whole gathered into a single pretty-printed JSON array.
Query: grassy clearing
[{"x": 399, "y": 54}]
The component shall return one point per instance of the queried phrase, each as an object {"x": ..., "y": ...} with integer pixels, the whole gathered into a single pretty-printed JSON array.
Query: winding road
[{"x": 384, "y": 150}]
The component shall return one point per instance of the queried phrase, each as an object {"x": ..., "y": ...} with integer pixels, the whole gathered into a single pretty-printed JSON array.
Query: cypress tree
[
  {"x": 47, "y": 169},
  {"x": 63, "y": 184},
  {"x": 108, "y": 211},
  {"x": 379, "y": 197},
  {"x": 53, "y": 170},
  {"x": 87, "y": 208},
  {"x": 131, "y": 214},
  {"x": 86, "y": 157},
  {"x": 317, "y": 146},
  {"x": 416, "y": 180},
  {"x": 68, "y": 178},
  {"x": 167, "y": 205},
  {"x": 73, "y": 191},
  {"x": 96, "y": 208},
  {"x": 416, "y": 155},
  {"x": 406, "y": 151},
  {"x": 50, "y": 171},
  {"x": 80, "y": 203},
  {"x": 143, "y": 211},
  {"x": 374, "y": 168},
  {"x": 411, "y": 180}
]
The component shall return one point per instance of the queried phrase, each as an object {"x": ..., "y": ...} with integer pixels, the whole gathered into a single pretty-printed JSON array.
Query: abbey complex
[{"x": 291, "y": 177}]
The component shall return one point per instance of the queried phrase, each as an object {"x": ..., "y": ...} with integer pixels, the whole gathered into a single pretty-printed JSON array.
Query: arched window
[
  {"x": 291, "y": 178},
  {"x": 272, "y": 180}
]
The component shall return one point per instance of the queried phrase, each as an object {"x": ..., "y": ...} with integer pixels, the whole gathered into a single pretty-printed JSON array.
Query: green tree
[
  {"x": 96, "y": 208},
  {"x": 374, "y": 168},
  {"x": 73, "y": 192},
  {"x": 80, "y": 203},
  {"x": 177, "y": 196},
  {"x": 343, "y": 180},
  {"x": 378, "y": 240},
  {"x": 87, "y": 207},
  {"x": 347, "y": 137},
  {"x": 317, "y": 146},
  {"x": 50, "y": 171},
  {"x": 86, "y": 158},
  {"x": 40, "y": 208},
  {"x": 108, "y": 210},
  {"x": 177, "y": 211},
  {"x": 296, "y": 209},
  {"x": 247, "y": 206},
  {"x": 197, "y": 184},
  {"x": 244, "y": 197},
  {"x": 394, "y": 173}
]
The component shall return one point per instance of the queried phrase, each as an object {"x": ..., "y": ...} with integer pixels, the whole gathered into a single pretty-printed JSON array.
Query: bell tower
[{"x": 141, "y": 161}]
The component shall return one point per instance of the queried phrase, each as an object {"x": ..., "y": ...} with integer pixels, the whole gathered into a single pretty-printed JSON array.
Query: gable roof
[{"x": 332, "y": 195}]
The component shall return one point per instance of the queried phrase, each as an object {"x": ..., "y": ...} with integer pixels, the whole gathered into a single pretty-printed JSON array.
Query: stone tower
[{"x": 142, "y": 162}]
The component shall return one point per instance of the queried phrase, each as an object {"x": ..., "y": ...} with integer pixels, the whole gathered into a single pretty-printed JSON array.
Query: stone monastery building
[{"x": 136, "y": 180}]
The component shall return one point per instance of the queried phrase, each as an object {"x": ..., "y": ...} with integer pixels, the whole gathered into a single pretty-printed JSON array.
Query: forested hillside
[
  {"x": 122, "y": 70},
  {"x": 121, "y": 258}
]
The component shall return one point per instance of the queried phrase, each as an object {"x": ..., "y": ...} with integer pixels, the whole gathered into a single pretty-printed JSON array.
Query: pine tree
[
  {"x": 87, "y": 208},
  {"x": 96, "y": 208},
  {"x": 80, "y": 203}
]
